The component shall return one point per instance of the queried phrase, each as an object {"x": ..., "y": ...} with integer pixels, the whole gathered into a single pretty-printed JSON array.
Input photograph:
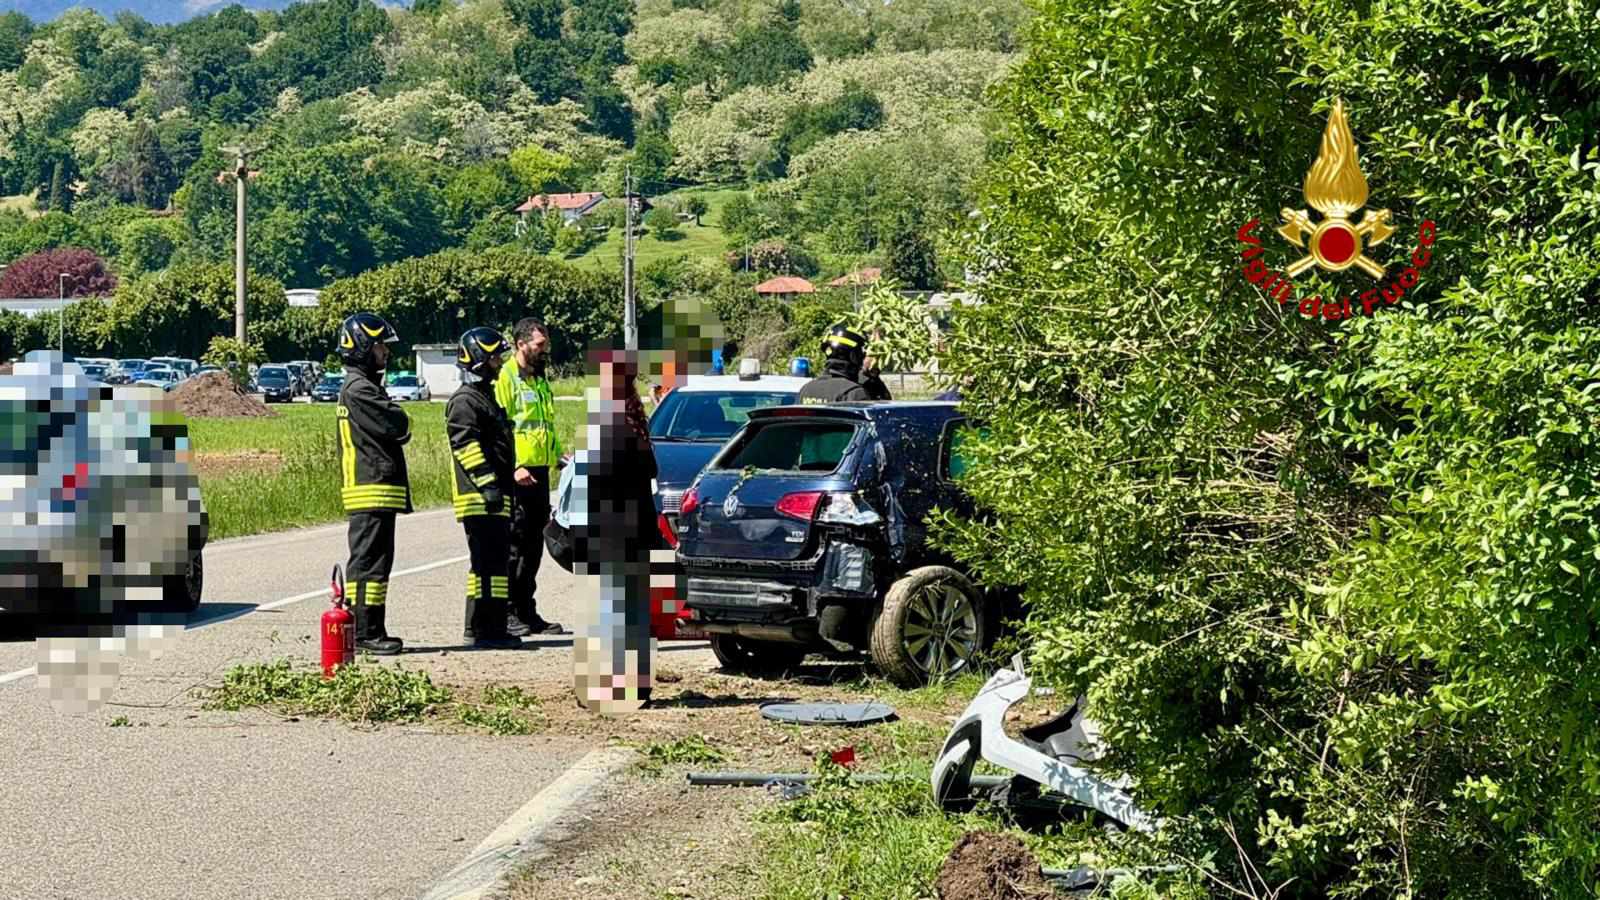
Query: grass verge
[
  {"x": 887, "y": 841},
  {"x": 302, "y": 487}
]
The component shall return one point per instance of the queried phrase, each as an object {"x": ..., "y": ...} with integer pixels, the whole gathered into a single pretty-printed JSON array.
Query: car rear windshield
[
  {"x": 405, "y": 381},
  {"x": 272, "y": 375},
  {"x": 814, "y": 446},
  {"x": 709, "y": 415}
]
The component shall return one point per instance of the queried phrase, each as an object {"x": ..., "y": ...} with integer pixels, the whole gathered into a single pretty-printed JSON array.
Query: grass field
[
  {"x": 698, "y": 240},
  {"x": 260, "y": 475},
  {"x": 22, "y": 202}
]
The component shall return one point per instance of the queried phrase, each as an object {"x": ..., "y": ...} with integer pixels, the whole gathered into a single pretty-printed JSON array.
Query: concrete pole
[
  {"x": 630, "y": 312},
  {"x": 241, "y": 174},
  {"x": 61, "y": 317}
]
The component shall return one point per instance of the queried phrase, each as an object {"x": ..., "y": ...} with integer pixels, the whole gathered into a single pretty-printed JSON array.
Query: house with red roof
[
  {"x": 785, "y": 287},
  {"x": 572, "y": 206},
  {"x": 861, "y": 277}
]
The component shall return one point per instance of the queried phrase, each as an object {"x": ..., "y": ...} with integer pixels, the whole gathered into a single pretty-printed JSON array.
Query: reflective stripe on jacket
[
  {"x": 373, "y": 431},
  {"x": 480, "y": 443},
  {"x": 531, "y": 407}
]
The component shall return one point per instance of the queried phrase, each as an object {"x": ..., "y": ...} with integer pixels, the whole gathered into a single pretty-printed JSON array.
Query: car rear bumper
[{"x": 771, "y": 591}]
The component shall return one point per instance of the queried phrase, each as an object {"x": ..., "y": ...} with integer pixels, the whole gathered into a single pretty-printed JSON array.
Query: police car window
[
  {"x": 795, "y": 447},
  {"x": 704, "y": 415}
]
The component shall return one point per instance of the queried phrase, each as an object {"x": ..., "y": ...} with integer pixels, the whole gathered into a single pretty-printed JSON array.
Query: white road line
[
  {"x": 276, "y": 604},
  {"x": 481, "y": 873}
]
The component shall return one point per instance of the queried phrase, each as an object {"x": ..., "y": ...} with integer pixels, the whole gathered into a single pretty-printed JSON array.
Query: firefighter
[
  {"x": 524, "y": 393},
  {"x": 373, "y": 431},
  {"x": 847, "y": 373},
  {"x": 480, "y": 441}
]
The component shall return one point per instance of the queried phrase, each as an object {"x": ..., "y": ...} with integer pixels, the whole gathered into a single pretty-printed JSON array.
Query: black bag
[{"x": 558, "y": 541}]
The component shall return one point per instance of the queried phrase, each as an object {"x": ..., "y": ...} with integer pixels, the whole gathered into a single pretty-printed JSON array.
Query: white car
[
  {"x": 409, "y": 387},
  {"x": 166, "y": 379}
]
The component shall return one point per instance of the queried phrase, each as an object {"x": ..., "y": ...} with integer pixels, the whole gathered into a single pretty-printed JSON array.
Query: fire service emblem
[{"x": 1335, "y": 188}]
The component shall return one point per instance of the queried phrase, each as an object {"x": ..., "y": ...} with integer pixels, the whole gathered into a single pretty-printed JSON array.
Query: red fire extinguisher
[{"x": 338, "y": 630}]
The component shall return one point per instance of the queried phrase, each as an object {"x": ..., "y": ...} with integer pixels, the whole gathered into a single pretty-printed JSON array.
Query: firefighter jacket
[
  {"x": 480, "y": 441},
  {"x": 835, "y": 385},
  {"x": 531, "y": 408},
  {"x": 373, "y": 431}
]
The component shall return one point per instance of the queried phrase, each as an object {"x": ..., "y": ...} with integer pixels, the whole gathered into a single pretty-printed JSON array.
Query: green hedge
[
  {"x": 1329, "y": 586},
  {"x": 433, "y": 299}
]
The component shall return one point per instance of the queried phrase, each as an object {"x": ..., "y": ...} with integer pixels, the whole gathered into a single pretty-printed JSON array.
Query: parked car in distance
[
  {"x": 692, "y": 423},
  {"x": 275, "y": 384},
  {"x": 166, "y": 379},
  {"x": 297, "y": 378},
  {"x": 806, "y": 533},
  {"x": 94, "y": 371},
  {"x": 129, "y": 366},
  {"x": 408, "y": 387},
  {"x": 179, "y": 364},
  {"x": 327, "y": 390},
  {"x": 204, "y": 369}
]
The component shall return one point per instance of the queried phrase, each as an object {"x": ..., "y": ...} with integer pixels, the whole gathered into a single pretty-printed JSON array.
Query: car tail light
[
  {"x": 845, "y": 508},
  {"x": 665, "y": 527},
  {"x": 802, "y": 505},
  {"x": 690, "y": 502}
]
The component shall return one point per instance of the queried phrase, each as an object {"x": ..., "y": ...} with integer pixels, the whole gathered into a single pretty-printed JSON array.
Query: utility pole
[
  {"x": 630, "y": 312},
  {"x": 61, "y": 318},
  {"x": 241, "y": 174}
]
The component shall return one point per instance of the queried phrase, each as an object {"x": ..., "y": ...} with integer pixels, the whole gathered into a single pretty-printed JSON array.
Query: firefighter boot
[{"x": 370, "y": 634}]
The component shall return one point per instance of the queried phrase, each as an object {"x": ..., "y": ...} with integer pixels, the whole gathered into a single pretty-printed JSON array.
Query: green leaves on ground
[
  {"x": 693, "y": 750},
  {"x": 364, "y": 692}
]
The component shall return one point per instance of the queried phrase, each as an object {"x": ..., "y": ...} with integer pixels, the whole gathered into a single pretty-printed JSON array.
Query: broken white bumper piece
[{"x": 1048, "y": 754}]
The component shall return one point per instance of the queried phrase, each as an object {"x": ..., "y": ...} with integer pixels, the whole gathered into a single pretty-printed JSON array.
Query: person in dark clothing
[
  {"x": 373, "y": 431},
  {"x": 481, "y": 442},
  {"x": 845, "y": 376}
]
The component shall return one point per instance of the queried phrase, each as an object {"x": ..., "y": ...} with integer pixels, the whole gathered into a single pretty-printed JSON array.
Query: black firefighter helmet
[
  {"x": 359, "y": 333},
  {"x": 478, "y": 347},
  {"x": 842, "y": 343}
]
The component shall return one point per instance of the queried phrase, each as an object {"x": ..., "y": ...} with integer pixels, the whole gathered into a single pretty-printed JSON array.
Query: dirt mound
[
  {"x": 214, "y": 394},
  {"x": 986, "y": 865}
]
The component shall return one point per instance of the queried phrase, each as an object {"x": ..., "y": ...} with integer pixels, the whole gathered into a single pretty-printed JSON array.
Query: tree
[
  {"x": 234, "y": 357},
  {"x": 764, "y": 54},
  {"x": 15, "y": 31},
  {"x": 912, "y": 260},
  {"x": 543, "y": 65},
  {"x": 39, "y": 275},
  {"x": 150, "y": 170},
  {"x": 146, "y": 245},
  {"x": 540, "y": 170},
  {"x": 60, "y": 193},
  {"x": 696, "y": 206},
  {"x": 541, "y": 19},
  {"x": 651, "y": 158},
  {"x": 183, "y": 308},
  {"x": 663, "y": 224}
]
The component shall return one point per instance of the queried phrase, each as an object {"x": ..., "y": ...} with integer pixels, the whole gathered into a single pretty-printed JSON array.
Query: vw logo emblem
[{"x": 730, "y": 506}]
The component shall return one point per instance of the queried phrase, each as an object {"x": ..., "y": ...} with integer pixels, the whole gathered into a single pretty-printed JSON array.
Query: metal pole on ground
[{"x": 630, "y": 312}]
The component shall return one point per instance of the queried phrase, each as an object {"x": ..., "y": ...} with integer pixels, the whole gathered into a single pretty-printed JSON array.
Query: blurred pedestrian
[
  {"x": 481, "y": 442},
  {"x": 523, "y": 391}
]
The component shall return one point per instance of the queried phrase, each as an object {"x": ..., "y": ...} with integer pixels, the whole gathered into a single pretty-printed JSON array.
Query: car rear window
[
  {"x": 794, "y": 447},
  {"x": 703, "y": 415}
]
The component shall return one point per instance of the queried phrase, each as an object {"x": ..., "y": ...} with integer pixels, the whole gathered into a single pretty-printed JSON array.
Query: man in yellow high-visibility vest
[{"x": 524, "y": 393}]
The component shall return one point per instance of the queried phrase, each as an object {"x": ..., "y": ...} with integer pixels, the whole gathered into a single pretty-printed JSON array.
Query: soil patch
[
  {"x": 987, "y": 865},
  {"x": 213, "y": 395},
  {"x": 236, "y": 462}
]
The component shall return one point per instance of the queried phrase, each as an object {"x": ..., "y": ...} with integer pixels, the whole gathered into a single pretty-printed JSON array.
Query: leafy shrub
[
  {"x": 1327, "y": 586},
  {"x": 39, "y": 275},
  {"x": 234, "y": 357}
]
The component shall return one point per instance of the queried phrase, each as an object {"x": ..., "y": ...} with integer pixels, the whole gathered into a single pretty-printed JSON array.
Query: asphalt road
[{"x": 187, "y": 803}]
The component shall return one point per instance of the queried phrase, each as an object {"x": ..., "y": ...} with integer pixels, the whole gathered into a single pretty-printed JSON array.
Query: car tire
[
  {"x": 181, "y": 593},
  {"x": 933, "y": 603},
  {"x": 744, "y": 656}
]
